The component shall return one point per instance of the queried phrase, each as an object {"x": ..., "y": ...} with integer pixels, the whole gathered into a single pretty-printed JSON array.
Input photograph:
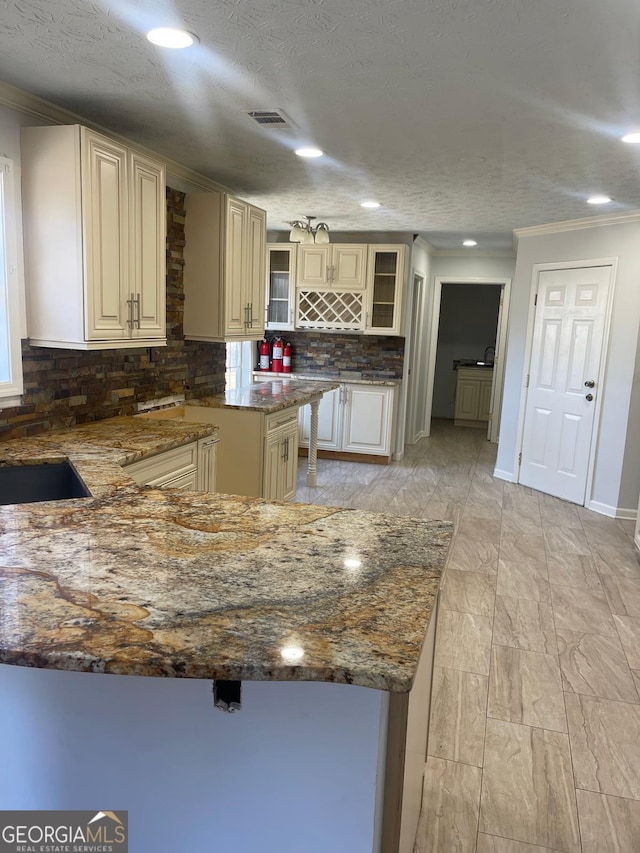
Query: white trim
[
  {"x": 499, "y": 474},
  {"x": 535, "y": 275},
  {"x": 501, "y": 338},
  {"x": 630, "y": 514},
  {"x": 25, "y": 102},
  {"x": 578, "y": 224},
  {"x": 12, "y": 277}
]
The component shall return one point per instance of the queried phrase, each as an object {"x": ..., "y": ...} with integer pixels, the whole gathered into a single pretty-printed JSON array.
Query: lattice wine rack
[{"x": 330, "y": 310}]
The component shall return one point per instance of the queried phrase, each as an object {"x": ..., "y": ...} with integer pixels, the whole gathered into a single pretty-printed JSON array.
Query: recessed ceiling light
[
  {"x": 309, "y": 151},
  {"x": 598, "y": 199},
  {"x": 169, "y": 37},
  {"x": 370, "y": 204},
  {"x": 469, "y": 243},
  {"x": 631, "y": 138}
]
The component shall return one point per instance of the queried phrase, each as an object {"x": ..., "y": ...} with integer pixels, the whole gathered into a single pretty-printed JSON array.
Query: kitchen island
[{"x": 192, "y": 587}]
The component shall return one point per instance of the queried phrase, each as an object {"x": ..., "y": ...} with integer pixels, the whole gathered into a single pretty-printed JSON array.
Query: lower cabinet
[
  {"x": 473, "y": 397},
  {"x": 260, "y": 456},
  {"x": 281, "y": 462},
  {"x": 355, "y": 418},
  {"x": 191, "y": 467}
]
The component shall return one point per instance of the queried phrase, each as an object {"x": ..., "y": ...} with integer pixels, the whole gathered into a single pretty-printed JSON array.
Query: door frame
[
  {"x": 419, "y": 295},
  {"x": 501, "y": 341},
  {"x": 604, "y": 359}
]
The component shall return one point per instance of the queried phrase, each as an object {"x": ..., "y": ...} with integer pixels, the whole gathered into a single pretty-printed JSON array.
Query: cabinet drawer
[
  {"x": 278, "y": 420},
  {"x": 158, "y": 470}
]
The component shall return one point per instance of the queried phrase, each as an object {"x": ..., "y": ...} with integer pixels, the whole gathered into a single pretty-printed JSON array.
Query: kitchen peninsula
[{"x": 326, "y": 615}]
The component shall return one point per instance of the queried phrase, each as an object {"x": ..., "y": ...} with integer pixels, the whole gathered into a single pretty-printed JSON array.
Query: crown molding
[
  {"x": 577, "y": 224},
  {"x": 424, "y": 244},
  {"x": 32, "y": 105}
]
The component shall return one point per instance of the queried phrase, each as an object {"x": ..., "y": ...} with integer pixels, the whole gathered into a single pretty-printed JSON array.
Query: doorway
[
  {"x": 475, "y": 332},
  {"x": 564, "y": 377}
]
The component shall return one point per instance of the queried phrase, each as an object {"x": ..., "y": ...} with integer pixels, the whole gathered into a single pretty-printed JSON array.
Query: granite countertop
[
  {"x": 352, "y": 377},
  {"x": 280, "y": 393},
  {"x": 144, "y": 581}
]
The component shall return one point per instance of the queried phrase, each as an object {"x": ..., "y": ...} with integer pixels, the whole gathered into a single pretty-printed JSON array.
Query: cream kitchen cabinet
[
  {"x": 191, "y": 466},
  {"x": 281, "y": 286},
  {"x": 175, "y": 468},
  {"x": 94, "y": 232},
  {"x": 280, "y": 476},
  {"x": 337, "y": 265},
  {"x": 473, "y": 396},
  {"x": 224, "y": 274},
  {"x": 385, "y": 280},
  {"x": 355, "y": 418},
  {"x": 260, "y": 456},
  {"x": 351, "y": 287}
]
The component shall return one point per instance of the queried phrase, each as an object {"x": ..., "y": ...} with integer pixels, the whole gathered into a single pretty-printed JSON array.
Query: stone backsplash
[
  {"x": 67, "y": 387},
  {"x": 375, "y": 357}
]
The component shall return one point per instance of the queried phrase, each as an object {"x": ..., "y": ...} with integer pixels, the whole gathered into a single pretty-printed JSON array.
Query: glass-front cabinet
[
  {"x": 385, "y": 268},
  {"x": 281, "y": 286}
]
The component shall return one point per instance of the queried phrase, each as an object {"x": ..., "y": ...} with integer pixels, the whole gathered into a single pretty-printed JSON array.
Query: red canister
[
  {"x": 286, "y": 358},
  {"x": 264, "y": 354},
  {"x": 277, "y": 356}
]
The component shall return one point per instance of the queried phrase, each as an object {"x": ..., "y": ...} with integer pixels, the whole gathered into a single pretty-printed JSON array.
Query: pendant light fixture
[{"x": 303, "y": 231}]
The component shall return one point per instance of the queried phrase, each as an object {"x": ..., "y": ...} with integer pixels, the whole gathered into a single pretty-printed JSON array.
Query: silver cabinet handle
[
  {"x": 138, "y": 301},
  {"x": 130, "y": 321},
  {"x": 326, "y": 273},
  {"x": 211, "y": 442},
  {"x": 246, "y": 316},
  {"x": 291, "y": 316},
  {"x": 251, "y": 315}
]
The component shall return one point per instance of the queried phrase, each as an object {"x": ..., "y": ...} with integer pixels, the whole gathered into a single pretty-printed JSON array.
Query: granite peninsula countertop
[
  {"x": 163, "y": 582},
  {"x": 280, "y": 393},
  {"x": 353, "y": 377}
]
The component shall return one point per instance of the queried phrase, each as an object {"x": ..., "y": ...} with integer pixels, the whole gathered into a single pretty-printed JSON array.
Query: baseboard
[
  {"x": 613, "y": 511},
  {"x": 344, "y": 456},
  {"x": 637, "y": 540},
  {"x": 503, "y": 475}
]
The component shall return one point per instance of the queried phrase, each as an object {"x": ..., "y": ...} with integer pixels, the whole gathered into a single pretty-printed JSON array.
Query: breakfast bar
[{"x": 325, "y": 615}]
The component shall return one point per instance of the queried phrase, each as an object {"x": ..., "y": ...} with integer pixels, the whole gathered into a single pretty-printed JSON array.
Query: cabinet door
[
  {"x": 467, "y": 399},
  {"x": 148, "y": 246},
  {"x": 105, "y": 207},
  {"x": 280, "y": 292},
  {"x": 484, "y": 400},
  {"x": 368, "y": 414},
  {"x": 256, "y": 260},
  {"x": 313, "y": 266},
  {"x": 289, "y": 470},
  {"x": 273, "y": 453},
  {"x": 348, "y": 267},
  {"x": 235, "y": 277},
  {"x": 207, "y": 458},
  {"x": 385, "y": 278},
  {"x": 328, "y": 421}
]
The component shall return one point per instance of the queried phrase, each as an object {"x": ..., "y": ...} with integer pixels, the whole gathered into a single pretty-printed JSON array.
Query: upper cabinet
[
  {"x": 95, "y": 235},
  {"x": 385, "y": 279},
  {"x": 351, "y": 287},
  {"x": 281, "y": 286},
  {"x": 340, "y": 266},
  {"x": 224, "y": 274}
]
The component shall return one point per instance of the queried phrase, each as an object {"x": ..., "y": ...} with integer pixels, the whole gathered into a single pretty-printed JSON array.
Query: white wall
[
  {"x": 619, "y": 441},
  {"x": 416, "y": 351},
  {"x": 463, "y": 266}
]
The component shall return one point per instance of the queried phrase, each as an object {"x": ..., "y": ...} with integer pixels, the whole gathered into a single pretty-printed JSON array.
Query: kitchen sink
[{"x": 58, "y": 481}]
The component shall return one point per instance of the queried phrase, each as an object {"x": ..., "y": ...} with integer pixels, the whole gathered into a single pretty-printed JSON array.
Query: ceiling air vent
[{"x": 270, "y": 119}]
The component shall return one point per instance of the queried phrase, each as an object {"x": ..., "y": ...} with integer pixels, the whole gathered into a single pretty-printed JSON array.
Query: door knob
[
  {"x": 589, "y": 397},
  {"x": 589, "y": 383}
]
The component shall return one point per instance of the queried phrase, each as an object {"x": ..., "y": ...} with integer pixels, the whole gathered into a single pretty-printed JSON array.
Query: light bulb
[
  {"x": 631, "y": 138},
  {"x": 170, "y": 37},
  {"x": 598, "y": 199},
  {"x": 469, "y": 243},
  {"x": 308, "y": 151}
]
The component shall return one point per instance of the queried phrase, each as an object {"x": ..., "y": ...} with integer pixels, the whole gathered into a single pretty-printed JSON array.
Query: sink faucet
[{"x": 488, "y": 350}]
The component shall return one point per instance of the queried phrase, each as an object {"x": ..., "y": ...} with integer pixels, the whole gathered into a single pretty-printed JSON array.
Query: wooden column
[{"x": 312, "y": 474}]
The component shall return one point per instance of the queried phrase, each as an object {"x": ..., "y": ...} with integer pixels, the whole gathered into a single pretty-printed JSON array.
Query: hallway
[{"x": 535, "y": 725}]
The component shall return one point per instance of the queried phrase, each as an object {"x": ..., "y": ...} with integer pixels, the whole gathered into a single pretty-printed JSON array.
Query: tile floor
[{"x": 535, "y": 723}]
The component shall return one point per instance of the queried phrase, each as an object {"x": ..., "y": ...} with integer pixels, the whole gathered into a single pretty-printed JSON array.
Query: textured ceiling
[{"x": 460, "y": 116}]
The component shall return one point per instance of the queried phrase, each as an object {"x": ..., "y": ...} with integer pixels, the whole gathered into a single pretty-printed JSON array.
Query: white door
[{"x": 566, "y": 352}]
